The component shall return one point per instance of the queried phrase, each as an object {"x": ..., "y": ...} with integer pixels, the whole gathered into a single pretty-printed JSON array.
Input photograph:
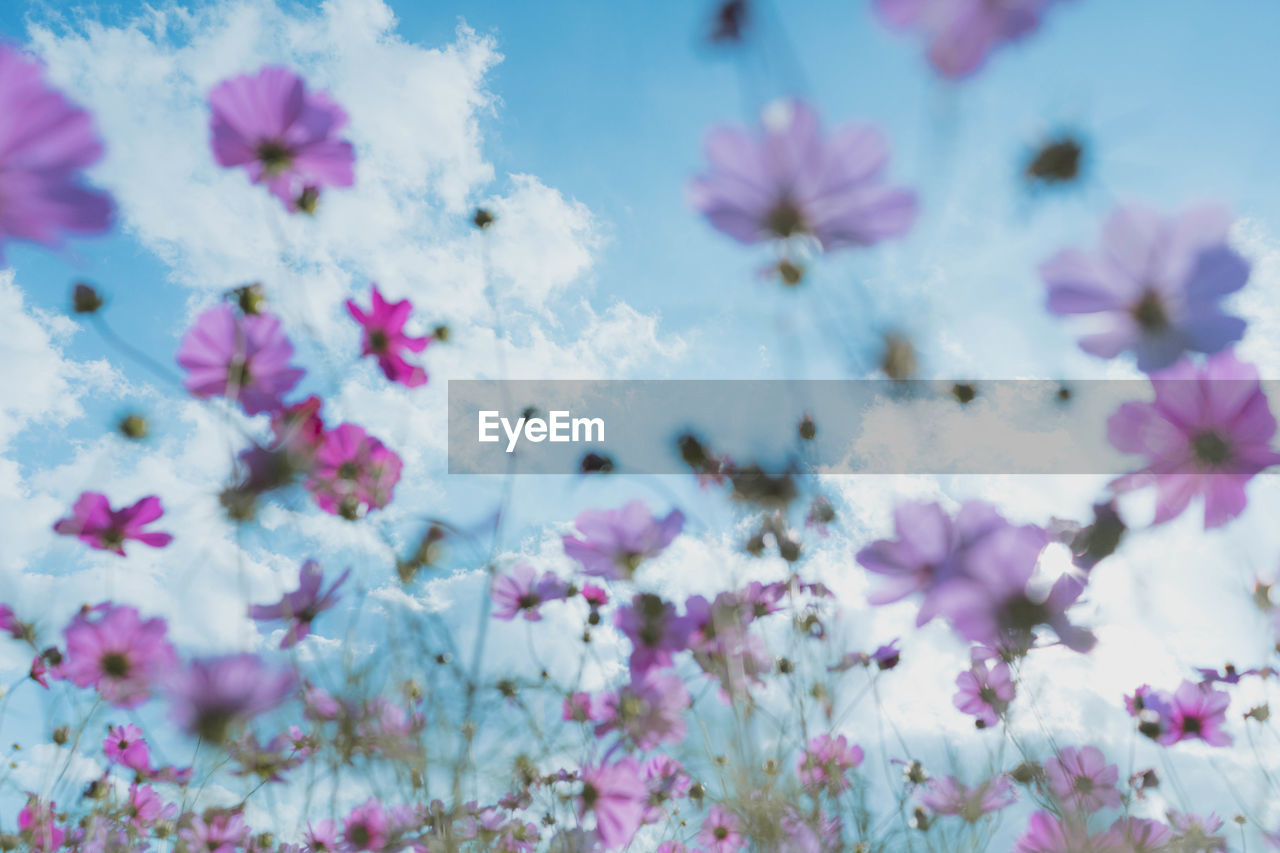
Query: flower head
[
  {"x": 38, "y": 827},
  {"x": 354, "y": 472},
  {"x": 1138, "y": 835},
  {"x": 213, "y": 695},
  {"x": 283, "y": 135},
  {"x": 125, "y": 746},
  {"x": 1155, "y": 287},
  {"x": 1047, "y": 834},
  {"x": 1197, "y": 712},
  {"x": 655, "y": 631},
  {"x": 649, "y": 711},
  {"x": 985, "y": 691},
  {"x": 615, "y": 542},
  {"x": 300, "y": 607},
  {"x": 220, "y": 832},
  {"x": 826, "y": 762},
  {"x": 385, "y": 338},
  {"x": 111, "y": 648},
  {"x": 949, "y": 796},
  {"x": 721, "y": 831},
  {"x": 523, "y": 591},
  {"x": 1082, "y": 779},
  {"x": 1207, "y": 433},
  {"x": 367, "y": 827},
  {"x": 45, "y": 144},
  {"x": 790, "y": 179},
  {"x": 96, "y": 524},
  {"x": 243, "y": 357},
  {"x": 616, "y": 794}
]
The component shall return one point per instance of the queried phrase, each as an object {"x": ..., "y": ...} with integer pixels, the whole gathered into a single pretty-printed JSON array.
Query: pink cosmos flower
[
  {"x": 218, "y": 833},
  {"x": 243, "y": 357},
  {"x": 354, "y": 472},
  {"x": 37, "y": 824},
  {"x": 45, "y": 143},
  {"x": 9, "y": 622},
  {"x": 125, "y": 745},
  {"x": 300, "y": 607},
  {"x": 788, "y": 179},
  {"x": 949, "y": 796},
  {"x": 579, "y": 708},
  {"x": 1197, "y": 711},
  {"x": 655, "y": 631},
  {"x": 1198, "y": 833},
  {"x": 366, "y": 827},
  {"x": 615, "y": 542},
  {"x": 961, "y": 33},
  {"x": 39, "y": 671},
  {"x": 667, "y": 781},
  {"x": 1208, "y": 432},
  {"x": 1156, "y": 286},
  {"x": 284, "y": 136},
  {"x": 826, "y": 762},
  {"x": 109, "y": 647},
  {"x": 523, "y": 591},
  {"x": 146, "y": 807},
  {"x": 96, "y": 524},
  {"x": 384, "y": 337},
  {"x": 1139, "y": 835},
  {"x": 985, "y": 692},
  {"x": 1046, "y": 834},
  {"x": 720, "y": 831},
  {"x": 321, "y": 837},
  {"x": 594, "y": 595},
  {"x": 1082, "y": 779},
  {"x": 616, "y": 795},
  {"x": 212, "y": 695},
  {"x": 649, "y": 711}
]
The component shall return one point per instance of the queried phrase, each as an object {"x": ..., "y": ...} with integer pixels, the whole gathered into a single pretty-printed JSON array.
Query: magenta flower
[
  {"x": 37, "y": 824},
  {"x": 655, "y": 631},
  {"x": 1138, "y": 835},
  {"x": 321, "y": 837},
  {"x": 284, "y": 136},
  {"x": 961, "y": 33},
  {"x": 96, "y": 524},
  {"x": 366, "y": 827},
  {"x": 615, "y": 794},
  {"x": 826, "y": 762},
  {"x": 354, "y": 472},
  {"x": 1155, "y": 287},
  {"x": 146, "y": 807},
  {"x": 667, "y": 781},
  {"x": 213, "y": 695},
  {"x": 523, "y": 591},
  {"x": 244, "y": 358},
  {"x": 384, "y": 337},
  {"x": 1083, "y": 780},
  {"x": 985, "y": 692},
  {"x": 224, "y": 832},
  {"x": 721, "y": 831},
  {"x": 125, "y": 746},
  {"x": 1197, "y": 711},
  {"x": 1208, "y": 432},
  {"x": 616, "y": 541},
  {"x": 45, "y": 143},
  {"x": 1046, "y": 834},
  {"x": 110, "y": 648},
  {"x": 579, "y": 708},
  {"x": 649, "y": 711},
  {"x": 39, "y": 671},
  {"x": 300, "y": 607},
  {"x": 788, "y": 179},
  {"x": 949, "y": 796}
]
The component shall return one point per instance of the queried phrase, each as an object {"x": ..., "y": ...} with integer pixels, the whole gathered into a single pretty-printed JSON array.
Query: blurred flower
[
  {"x": 523, "y": 591},
  {"x": 222, "y": 832},
  {"x": 667, "y": 781},
  {"x": 788, "y": 179},
  {"x": 354, "y": 472},
  {"x": 283, "y": 135},
  {"x": 1082, "y": 779},
  {"x": 1208, "y": 432},
  {"x": 616, "y": 795},
  {"x": 45, "y": 143},
  {"x": 985, "y": 692},
  {"x": 109, "y": 647},
  {"x": 96, "y": 524},
  {"x": 961, "y": 33},
  {"x": 212, "y": 695},
  {"x": 655, "y": 631},
  {"x": 1157, "y": 283},
  {"x": 616, "y": 541},
  {"x": 949, "y": 796},
  {"x": 579, "y": 708},
  {"x": 1197, "y": 711},
  {"x": 37, "y": 822},
  {"x": 826, "y": 762},
  {"x": 321, "y": 837},
  {"x": 1047, "y": 834},
  {"x": 242, "y": 358},
  {"x": 384, "y": 337},
  {"x": 1138, "y": 835},
  {"x": 649, "y": 711},
  {"x": 146, "y": 807},
  {"x": 366, "y": 828},
  {"x": 300, "y": 607},
  {"x": 125, "y": 745},
  {"x": 1197, "y": 833},
  {"x": 720, "y": 831}
]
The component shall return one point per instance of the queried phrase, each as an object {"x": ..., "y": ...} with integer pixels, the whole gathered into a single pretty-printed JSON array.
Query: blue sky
[{"x": 601, "y": 108}]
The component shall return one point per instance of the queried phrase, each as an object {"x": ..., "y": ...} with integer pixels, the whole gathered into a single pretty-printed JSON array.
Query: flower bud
[{"x": 85, "y": 299}]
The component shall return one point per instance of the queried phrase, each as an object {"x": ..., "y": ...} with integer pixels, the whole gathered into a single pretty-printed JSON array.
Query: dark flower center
[
  {"x": 115, "y": 664},
  {"x": 722, "y": 833},
  {"x": 528, "y": 601},
  {"x": 1084, "y": 785},
  {"x": 589, "y": 795},
  {"x": 1192, "y": 725},
  {"x": 1057, "y": 162},
  {"x": 238, "y": 373},
  {"x": 1210, "y": 449},
  {"x": 785, "y": 219},
  {"x": 358, "y": 835},
  {"x": 111, "y": 537},
  {"x": 348, "y": 470},
  {"x": 1150, "y": 313},
  {"x": 988, "y": 695},
  {"x": 274, "y": 156},
  {"x": 378, "y": 341}
]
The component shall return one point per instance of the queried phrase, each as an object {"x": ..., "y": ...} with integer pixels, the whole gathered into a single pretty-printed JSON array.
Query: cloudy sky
[{"x": 579, "y": 124}]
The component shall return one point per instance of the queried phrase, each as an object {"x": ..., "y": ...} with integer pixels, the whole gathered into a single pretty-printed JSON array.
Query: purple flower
[
  {"x": 244, "y": 358},
  {"x": 950, "y": 796},
  {"x": 300, "y": 607},
  {"x": 789, "y": 179},
  {"x": 826, "y": 762},
  {"x": 985, "y": 692},
  {"x": 45, "y": 142},
  {"x": 125, "y": 745},
  {"x": 1155, "y": 287},
  {"x": 523, "y": 591},
  {"x": 1082, "y": 779},
  {"x": 1208, "y": 432},
  {"x": 1198, "y": 833},
  {"x": 213, "y": 695},
  {"x": 616, "y": 541},
  {"x": 353, "y": 473},
  {"x": 284, "y": 136},
  {"x": 111, "y": 648},
  {"x": 1197, "y": 711},
  {"x": 961, "y": 33},
  {"x": 655, "y": 631},
  {"x": 649, "y": 711},
  {"x": 1138, "y": 835},
  {"x": 1046, "y": 834},
  {"x": 96, "y": 524},
  {"x": 616, "y": 794},
  {"x": 366, "y": 827},
  {"x": 219, "y": 833},
  {"x": 385, "y": 338},
  {"x": 667, "y": 781},
  {"x": 721, "y": 831}
]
